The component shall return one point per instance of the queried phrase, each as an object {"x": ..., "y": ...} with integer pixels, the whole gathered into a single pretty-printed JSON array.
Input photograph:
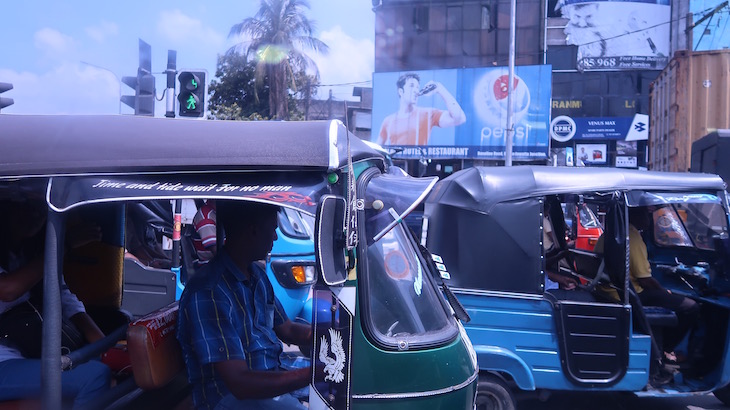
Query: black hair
[
  {"x": 237, "y": 215},
  {"x": 403, "y": 78}
]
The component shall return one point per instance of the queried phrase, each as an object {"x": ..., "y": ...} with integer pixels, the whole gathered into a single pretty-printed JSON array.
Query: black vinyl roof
[
  {"x": 66, "y": 144},
  {"x": 479, "y": 188}
]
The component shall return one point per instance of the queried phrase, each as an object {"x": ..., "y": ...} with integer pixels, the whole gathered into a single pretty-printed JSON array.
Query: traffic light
[
  {"x": 192, "y": 93},
  {"x": 4, "y": 101},
  {"x": 143, "y": 100}
]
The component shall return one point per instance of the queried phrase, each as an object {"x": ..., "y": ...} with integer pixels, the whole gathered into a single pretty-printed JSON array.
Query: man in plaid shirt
[{"x": 231, "y": 326}]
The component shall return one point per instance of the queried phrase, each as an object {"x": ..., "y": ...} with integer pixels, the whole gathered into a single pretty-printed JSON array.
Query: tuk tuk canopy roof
[
  {"x": 480, "y": 188},
  {"x": 36, "y": 145}
]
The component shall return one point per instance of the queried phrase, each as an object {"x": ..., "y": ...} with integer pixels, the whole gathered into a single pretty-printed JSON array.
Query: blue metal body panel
[
  {"x": 293, "y": 300},
  {"x": 516, "y": 335}
]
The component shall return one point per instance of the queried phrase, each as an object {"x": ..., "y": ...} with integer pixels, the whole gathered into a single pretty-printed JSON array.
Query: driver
[
  {"x": 650, "y": 291},
  {"x": 231, "y": 326}
]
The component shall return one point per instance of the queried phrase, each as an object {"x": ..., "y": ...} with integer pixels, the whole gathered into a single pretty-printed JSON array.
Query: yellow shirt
[{"x": 639, "y": 266}]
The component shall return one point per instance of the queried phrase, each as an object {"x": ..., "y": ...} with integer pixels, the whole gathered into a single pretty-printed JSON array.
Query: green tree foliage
[
  {"x": 276, "y": 39},
  {"x": 233, "y": 95}
]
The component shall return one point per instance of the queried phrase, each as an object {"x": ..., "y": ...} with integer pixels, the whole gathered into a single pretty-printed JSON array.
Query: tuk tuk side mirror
[{"x": 330, "y": 245}]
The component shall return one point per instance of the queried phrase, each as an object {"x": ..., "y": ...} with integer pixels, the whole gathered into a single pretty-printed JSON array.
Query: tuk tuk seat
[
  {"x": 590, "y": 266},
  {"x": 154, "y": 352},
  {"x": 659, "y": 316}
]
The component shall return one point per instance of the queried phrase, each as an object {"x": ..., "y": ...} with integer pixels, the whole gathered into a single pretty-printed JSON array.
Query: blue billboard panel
[
  {"x": 564, "y": 128},
  {"x": 462, "y": 113}
]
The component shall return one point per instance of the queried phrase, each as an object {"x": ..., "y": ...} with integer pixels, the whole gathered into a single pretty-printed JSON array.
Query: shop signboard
[
  {"x": 564, "y": 128},
  {"x": 462, "y": 113}
]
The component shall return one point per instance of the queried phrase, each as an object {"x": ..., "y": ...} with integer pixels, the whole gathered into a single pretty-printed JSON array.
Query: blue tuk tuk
[{"x": 486, "y": 228}]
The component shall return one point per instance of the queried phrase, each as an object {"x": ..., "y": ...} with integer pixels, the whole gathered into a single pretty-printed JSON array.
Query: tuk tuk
[
  {"x": 391, "y": 339},
  {"x": 486, "y": 226}
]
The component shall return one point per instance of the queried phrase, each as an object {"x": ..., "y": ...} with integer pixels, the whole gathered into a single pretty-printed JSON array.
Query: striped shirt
[{"x": 226, "y": 316}]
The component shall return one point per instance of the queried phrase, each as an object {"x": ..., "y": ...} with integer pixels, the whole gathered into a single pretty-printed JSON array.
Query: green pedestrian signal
[
  {"x": 192, "y": 93},
  {"x": 191, "y": 103}
]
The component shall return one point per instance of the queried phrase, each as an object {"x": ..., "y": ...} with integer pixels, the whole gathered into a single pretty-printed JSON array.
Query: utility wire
[{"x": 645, "y": 28}]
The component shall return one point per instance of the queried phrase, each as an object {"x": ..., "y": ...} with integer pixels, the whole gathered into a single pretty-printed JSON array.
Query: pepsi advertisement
[{"x": 462, "y": 113}]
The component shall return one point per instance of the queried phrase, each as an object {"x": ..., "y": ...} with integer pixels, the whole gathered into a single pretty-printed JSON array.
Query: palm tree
[{"x": 276, "y": 37}]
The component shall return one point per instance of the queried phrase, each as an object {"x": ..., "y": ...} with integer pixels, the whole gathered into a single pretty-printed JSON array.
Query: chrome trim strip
[
  {"x": 515, "y": 295},
  {"x": 501, "y": 294},
  {"x": 429, "y": 393},
  {"x": 334, "y": 155}
]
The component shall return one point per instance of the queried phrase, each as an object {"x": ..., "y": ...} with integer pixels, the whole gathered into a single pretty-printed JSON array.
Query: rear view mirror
[{"x": 329, "y": 240}]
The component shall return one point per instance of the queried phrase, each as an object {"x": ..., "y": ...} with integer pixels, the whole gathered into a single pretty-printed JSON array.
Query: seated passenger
[
  {"x": 231, "y": 325},
  {"x": 649, "y": 290},
  {"x": 553, "y": 257},
  {"x": 21, "y": 269},
  {"x": 205, "y": 239}
]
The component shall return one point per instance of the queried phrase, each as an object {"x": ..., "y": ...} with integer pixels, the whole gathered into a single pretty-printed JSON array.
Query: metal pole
[
  {"x": 51, "y": 354},
  {"x": 115, "y": 77},
  {"x": 171, "y": 73},
  {"x": 510, "y": 86}
]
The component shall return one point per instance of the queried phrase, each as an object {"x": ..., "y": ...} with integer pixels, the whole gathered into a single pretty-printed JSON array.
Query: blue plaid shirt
[{"x": 226, "y": 316}]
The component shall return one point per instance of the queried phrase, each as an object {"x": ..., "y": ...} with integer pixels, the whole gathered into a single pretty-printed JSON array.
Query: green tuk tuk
[{"x": 392, "y": 340}]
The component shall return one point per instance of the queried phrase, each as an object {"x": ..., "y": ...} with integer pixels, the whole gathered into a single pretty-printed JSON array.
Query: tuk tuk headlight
[
  {"x": 294, "y": 274},
  {"x": 303, "y": 274}
]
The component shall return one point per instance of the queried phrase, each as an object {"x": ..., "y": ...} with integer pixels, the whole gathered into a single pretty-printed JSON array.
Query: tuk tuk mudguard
[{"x": 499, "y": 360}]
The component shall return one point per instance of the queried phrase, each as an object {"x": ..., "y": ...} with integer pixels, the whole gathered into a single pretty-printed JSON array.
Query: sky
[{"x": 68, "y": 56}]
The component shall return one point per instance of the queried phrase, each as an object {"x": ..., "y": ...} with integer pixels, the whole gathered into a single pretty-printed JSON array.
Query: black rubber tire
[
  {"x": 494, "y": 394},
  {"x": 723, "y": 394}
]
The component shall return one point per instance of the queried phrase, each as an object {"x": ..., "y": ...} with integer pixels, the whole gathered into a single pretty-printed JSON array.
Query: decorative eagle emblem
[{"x": 333, "y": 367}]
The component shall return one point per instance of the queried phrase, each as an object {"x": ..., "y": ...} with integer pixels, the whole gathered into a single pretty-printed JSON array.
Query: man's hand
[
  {"x": 567, "y": 282},
  {"x": 294, "y": 333}
]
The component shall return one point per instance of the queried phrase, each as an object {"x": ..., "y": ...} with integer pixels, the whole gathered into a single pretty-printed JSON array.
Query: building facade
[{"x": 602, "y": 56}]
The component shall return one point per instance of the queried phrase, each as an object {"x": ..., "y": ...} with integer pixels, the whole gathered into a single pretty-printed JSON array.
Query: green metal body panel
[{"x": 441, "y": 377}]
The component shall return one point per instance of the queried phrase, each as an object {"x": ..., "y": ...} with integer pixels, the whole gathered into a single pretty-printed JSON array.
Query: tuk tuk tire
[
  {"x": 723, "y": 394},
  {"x": 494, "y": 394}
]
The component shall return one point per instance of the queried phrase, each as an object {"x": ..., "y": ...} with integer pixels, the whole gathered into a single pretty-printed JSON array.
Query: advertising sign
[
  {"x": 626, "y": 154},
  {"x": 564, "y": 128},
  {"x": 590, "y": 154},
  {"x": 462, "y": 113},
  {"x": 617, "y": 34}
]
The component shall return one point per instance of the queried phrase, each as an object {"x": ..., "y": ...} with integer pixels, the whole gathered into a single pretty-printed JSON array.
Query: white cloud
[
  {"x": 52, "y": 41},
  {"x": 67, "y": 89},
  {"x": 349, "y": 60},
  {"x": 182, "y": 29},
  {"x": 101, "y": 31}
]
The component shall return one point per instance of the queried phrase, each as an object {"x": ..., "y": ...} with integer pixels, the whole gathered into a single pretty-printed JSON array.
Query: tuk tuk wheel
[
  {"x": 723, "y": 394},
  {"x": 494, "y": 394}
]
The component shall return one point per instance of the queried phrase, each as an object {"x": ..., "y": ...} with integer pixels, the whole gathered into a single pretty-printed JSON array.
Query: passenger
[
  {"x": 21, "y": 269},
  {"x": 554, "y": 256},
  {"x": 205, "y": 239},
  {"x": 650, "y": 291},
  {"x": 231, "y": 326}
]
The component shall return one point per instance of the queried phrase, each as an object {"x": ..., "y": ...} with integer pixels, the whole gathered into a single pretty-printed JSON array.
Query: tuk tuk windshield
[
  {"x": 587, "y": 218},
  {"x": 404, "y": 308},
  {"x": 689, "y": 224}
]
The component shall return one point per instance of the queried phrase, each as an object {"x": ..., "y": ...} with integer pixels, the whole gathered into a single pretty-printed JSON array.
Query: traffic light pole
[{"x": 171, "y": 73}]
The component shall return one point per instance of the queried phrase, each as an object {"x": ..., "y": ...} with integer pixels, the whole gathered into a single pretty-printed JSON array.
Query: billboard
[
  {"x": 462, "y": 113},
  {"x": 617, "y": 34}
]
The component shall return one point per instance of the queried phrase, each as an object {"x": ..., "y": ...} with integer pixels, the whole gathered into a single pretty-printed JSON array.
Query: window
[{"x": 420, "y": 18}]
